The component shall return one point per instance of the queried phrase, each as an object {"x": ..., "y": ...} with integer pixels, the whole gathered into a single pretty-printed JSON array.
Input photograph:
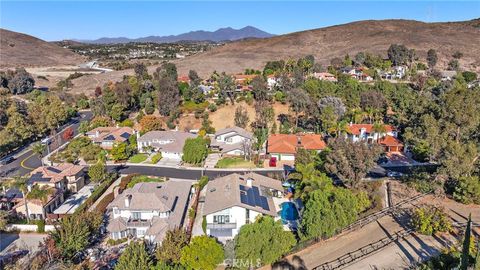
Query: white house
[
  {"x": 149, "y": 210},
  {"x": 233, "y": 141},
  {"x": 235, "y": 200},
  {"x": 170, "y": 143}
]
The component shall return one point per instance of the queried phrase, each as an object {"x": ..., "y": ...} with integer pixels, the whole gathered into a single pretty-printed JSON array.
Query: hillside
[
  {"x": 337, "y": 41},
  {"x": 21, "y": 50},
  {"x": 327, "y": 43},
  {"x": 222, "y": 34}
]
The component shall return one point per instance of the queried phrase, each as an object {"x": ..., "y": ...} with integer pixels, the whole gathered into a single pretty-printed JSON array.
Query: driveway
[
  {"x": 169, "y": 162},
  {"x": 212, "y": 160}
]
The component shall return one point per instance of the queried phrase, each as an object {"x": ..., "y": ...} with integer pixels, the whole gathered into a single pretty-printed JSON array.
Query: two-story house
[
  {"x": 235, "y": 200},
  {"x": 107, "y": 137},
  {"x": 170, "y": 143},
  {"x": 149, "y": 210},
  {"x": 386, "y": 136},
  {"x": 39, "y": 207},
  {"x": 232, "y": 141},
  {"x": 63, "y": 176}
]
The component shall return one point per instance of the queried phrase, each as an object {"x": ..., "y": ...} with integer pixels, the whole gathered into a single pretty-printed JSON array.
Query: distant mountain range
[{"x": 222, "y": 34}]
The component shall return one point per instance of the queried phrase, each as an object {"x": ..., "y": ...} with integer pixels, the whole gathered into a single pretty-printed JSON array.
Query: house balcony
[
  {"x": 139, "y": 223},
  {"x": 221, "y": 225}
]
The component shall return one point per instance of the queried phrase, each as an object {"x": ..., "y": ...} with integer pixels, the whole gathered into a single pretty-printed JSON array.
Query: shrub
[
  {"x": 40, "y": 226},
  {"x": 143, "y": 179},
  {"x": 202, "y": 182},
  {"x": 429, "y": 219},
  {"x": 467, "y": 190},
  {"x": 204, "y": 224},
  {"x": 156, "y": 158},
  {"x": 102, "y": 205},
  {"x": 113, "y": 242},
  {"x": 125, "y": 180},
  {"x": 212, "y": 107}
]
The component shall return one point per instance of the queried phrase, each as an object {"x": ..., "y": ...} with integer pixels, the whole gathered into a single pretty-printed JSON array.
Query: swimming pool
[{"x": 289, "y": 211}]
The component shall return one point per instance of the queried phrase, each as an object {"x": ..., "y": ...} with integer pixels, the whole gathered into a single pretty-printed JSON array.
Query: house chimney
[
  {"x": 128, "y": 199},
  {"x": 97, "y": 133},
  {"x": 299, "y": 140},
  {"x": 249, "y": 182}
]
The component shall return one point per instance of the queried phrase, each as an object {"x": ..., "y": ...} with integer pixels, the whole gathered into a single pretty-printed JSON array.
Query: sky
[{"x": 57, "y": 20}]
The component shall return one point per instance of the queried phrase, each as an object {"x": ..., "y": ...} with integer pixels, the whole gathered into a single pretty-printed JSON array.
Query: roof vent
[{"x": 213, "y": 189}]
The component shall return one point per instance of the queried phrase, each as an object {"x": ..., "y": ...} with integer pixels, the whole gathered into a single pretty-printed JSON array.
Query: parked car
[
  {"x": 394, "y": 174},
  {"x": 272, "y": 162},
  {"x": 46, "y": 141},
  {"x": 6, "y": 160}
]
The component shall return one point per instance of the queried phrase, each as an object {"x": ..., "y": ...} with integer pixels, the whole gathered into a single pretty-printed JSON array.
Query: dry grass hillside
[
  {"x": 327, "y": 43},
  {"x": 337, "y": 41},
  {"x": 21, "y": 50}
]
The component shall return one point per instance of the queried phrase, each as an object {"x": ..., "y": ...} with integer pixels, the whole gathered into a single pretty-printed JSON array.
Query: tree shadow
[{"x": 296, "y": 263}]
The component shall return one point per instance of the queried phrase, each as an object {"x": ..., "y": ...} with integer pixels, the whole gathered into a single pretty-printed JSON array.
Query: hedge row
[{"x": 99, "y": 190}]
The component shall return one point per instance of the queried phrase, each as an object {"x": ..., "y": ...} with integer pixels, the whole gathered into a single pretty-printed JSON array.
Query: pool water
[{"x": 289, "y": 211}]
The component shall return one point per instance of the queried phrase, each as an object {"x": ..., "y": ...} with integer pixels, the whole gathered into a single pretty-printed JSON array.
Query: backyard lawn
[
  {"x": 234, "y": 163},
  {"x": 138, "y": 158}
]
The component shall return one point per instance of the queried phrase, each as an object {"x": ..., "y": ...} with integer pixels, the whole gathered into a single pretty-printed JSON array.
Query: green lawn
[
  {"x": 138, "y": 158},
  {"x": 234, "y": 163},
  {"x": 143, "y": 179}
]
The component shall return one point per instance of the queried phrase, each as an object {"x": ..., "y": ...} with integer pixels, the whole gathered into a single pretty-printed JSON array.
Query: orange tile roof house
[
  {"x": 284, "y": 146},
  {"x": 366, "y": 132},
  {"x": 63, "y": 176},
  {"x": 325, "y": 76},
  {"x": 106, "y": 137}
]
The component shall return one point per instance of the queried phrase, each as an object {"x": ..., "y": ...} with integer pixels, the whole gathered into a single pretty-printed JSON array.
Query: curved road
[{"x": 26, "y": 161}]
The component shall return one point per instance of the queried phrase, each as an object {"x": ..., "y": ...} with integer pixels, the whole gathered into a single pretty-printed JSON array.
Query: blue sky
[{"x": 58, "y": 20}]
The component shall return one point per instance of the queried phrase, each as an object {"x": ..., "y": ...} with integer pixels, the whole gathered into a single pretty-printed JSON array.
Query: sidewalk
[{"x": 108, "y": 191}]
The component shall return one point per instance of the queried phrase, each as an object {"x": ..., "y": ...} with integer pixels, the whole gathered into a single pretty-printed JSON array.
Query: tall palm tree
[
  {"x": 38, "y": 148},
  {"x": 20, "y": 183},
  {"x": 379, "y": 128}
]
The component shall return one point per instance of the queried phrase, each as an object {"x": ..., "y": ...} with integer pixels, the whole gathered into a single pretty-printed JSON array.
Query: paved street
[
  {"x": 26, "y": 161},
  {"x": 182, "y": 173}
]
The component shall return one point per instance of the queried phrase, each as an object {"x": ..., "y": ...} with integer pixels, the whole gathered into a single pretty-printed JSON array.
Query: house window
[
  {"x": 221, "y": 219},
  {"x": 116, "y": 211},
  {"x": 136, "y": 215}
]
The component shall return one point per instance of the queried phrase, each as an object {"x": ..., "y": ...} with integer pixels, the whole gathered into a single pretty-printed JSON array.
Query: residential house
[
  {"x": 63, "y": 176},
  {"x": 234, "y": 141},
  {"x": 242, "y": 82},
  {"x": 184, "y": 79},
  {"x": 170, "y": 143},
  {"x": 235, "y": 200},
  {"x": 324, "y": 76},
  {"x": 356, "y": 73},
  {"x": 149, "y": 210},
  {"x": 284, "y": 146},
  {"x": 448, "y": 75},
  {"x": 39, "y": 208},
  {"x": 397, "y": 72},
  {"x": 366, "y": 132},
  {"x": 271, "y": 81},
  {"x": 107, "y": 137}
]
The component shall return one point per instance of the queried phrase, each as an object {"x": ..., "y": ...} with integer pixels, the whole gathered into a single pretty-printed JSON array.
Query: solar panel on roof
[
  {"x": 251, "y": 196},
  {"x": 55, "y": 170},
  {"x": 125, "y": 135},
  {"x": 110, "y": 138}
]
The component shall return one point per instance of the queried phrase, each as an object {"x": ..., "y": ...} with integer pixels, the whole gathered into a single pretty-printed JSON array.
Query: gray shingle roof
[
  {"x": 240, "y": 131},
  {"x": 177, "y": 139}
]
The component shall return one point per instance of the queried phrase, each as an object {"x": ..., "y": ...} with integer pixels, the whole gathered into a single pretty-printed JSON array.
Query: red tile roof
[
  {"x": 390, "y": 141},
  {"x": 288, "y": 143},
  {"x": 355, "y": 128}
]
